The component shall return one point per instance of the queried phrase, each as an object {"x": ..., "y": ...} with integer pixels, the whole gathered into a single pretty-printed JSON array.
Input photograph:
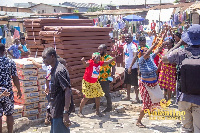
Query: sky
[{"x": 115, "y": 2}]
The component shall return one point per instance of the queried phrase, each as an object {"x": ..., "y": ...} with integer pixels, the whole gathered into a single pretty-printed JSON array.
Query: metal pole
[
  {"x": 159, "y": 17},
  {"x": 145, "y": 4}
]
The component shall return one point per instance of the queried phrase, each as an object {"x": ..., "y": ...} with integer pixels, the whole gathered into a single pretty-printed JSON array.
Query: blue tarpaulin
[{"x": 133, "y": 18}]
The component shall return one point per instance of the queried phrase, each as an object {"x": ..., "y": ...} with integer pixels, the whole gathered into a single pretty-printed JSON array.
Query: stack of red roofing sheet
[{"x": 34, "y": 26}]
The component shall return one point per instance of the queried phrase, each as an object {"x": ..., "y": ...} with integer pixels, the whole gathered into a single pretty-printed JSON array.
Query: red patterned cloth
[
  {"x": 167, "y": 77},
  {"x": 147, "y": 103}
]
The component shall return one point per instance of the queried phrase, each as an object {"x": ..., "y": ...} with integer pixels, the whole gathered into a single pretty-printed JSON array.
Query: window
[
  {"x": 42, "y": 11},
  {"x": 1, "y": 8},
  {"x": 54, "y": 10}
]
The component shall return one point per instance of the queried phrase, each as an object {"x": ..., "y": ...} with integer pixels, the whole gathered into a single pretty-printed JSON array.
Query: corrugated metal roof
[
  {"x": 87, "y": 5},
  {"x": 16, "y": 14},
  {"x": 196, "y": 5},
  {"x": 55, "y": 5},
  {"x": 181, "y": 5},
  {"x": 115, "y": 12}
]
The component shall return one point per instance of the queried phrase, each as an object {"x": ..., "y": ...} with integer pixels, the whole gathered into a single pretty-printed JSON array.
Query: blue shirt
[
  {"x": 15, "y": 50},
  {"x": 177, "y": 56},
  {"x": 147, "y": 67}
]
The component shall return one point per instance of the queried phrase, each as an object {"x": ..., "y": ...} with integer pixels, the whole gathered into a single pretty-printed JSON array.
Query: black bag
[{"x": 190, "y": 75}]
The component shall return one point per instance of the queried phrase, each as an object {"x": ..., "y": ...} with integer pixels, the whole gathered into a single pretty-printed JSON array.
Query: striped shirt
[{"x": 147, "y": 67}]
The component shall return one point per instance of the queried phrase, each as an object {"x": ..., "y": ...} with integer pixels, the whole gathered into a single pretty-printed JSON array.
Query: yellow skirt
[{"x": 92, "y": 90}]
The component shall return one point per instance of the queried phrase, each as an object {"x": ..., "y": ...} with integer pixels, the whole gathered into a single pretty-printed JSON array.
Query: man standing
[
  {"x": 60, "y": 92},
  {"x": 130, "y": 54},
  {"x": 188, "y": 101},
  {"x": 105, "y": 74},
  {"x": 153, "y": 25},
  {"x": 8, "y": 71}
]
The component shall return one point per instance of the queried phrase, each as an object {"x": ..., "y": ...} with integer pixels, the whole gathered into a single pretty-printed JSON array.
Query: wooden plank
[{"x": 33, "y": 41}]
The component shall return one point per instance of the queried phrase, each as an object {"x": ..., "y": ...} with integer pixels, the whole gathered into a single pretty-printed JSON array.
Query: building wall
[
  {"x": 42, "y": 8},
  {"x": 14, "y": 9}
]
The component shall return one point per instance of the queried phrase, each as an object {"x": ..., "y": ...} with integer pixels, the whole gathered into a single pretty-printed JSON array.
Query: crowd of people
[{"x": 168, "y": 67}]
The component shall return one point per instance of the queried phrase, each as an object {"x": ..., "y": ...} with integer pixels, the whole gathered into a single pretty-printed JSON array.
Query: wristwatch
[{"x": 66, "y": 112}]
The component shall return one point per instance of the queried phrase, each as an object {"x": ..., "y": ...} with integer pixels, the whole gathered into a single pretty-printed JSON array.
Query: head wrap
[{"x": 95, "y": 55}]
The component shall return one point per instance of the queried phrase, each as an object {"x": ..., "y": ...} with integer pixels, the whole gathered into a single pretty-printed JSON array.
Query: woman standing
[
  {"x": 167, "y": 76},
  {"x": 148, "y": 79}
]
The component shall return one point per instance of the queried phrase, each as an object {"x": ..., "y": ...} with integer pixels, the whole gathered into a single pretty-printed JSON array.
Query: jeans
[{"x": 57, "y": 126}]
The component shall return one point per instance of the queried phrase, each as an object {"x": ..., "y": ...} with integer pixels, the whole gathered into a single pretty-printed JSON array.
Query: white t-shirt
[{"x": 129, "y": 49}]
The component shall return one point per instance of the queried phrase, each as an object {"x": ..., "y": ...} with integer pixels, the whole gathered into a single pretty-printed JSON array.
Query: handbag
[{"x": 155, "y": 93}]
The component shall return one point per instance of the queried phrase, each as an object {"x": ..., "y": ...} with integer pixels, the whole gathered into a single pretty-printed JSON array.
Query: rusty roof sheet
[
  {"x": 115, "y": 12},
  {"x": 196, "y": 5},
  {"x": 181, "y": 5}
]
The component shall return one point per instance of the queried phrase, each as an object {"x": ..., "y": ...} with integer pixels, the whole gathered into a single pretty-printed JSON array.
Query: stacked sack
[
  {"x": 41, "y": 88},
  {"x": 31, "y": 85}
]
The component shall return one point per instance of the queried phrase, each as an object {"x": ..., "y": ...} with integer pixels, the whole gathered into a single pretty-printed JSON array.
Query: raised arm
[{"x": 86, "y": 64}]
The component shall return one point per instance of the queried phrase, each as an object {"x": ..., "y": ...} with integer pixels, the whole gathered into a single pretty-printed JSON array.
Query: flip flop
[
  {"x": 81, "y": 115},
  {"x": 140, "y": 125}
]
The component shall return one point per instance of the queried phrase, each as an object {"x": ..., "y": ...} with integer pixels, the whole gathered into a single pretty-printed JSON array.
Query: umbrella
[{"x": 133, "y": 18}]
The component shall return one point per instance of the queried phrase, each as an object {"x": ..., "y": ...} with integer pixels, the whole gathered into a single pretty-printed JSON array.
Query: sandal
[
  {"x": 140, "y": 125},
  {"x": 81, "y": 115}
]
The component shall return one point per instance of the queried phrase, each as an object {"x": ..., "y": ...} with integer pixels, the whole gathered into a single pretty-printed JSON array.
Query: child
[{"x": 91, "y": 87}]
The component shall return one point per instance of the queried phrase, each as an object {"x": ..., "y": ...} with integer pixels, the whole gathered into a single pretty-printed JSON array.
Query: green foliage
[
  {"x": 176, "y": 1},
  {"x": 76, "y": 11}
]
